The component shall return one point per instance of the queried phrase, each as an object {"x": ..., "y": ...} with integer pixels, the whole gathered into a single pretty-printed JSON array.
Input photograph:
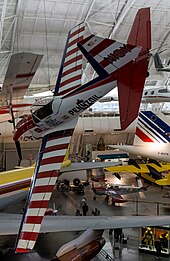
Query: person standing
[
  {"x": 158, "y": 247},
  {"x": 85, "y": 209}
]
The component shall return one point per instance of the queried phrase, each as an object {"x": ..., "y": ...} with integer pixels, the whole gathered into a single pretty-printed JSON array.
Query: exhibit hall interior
[{"x": 84, "y": 130}]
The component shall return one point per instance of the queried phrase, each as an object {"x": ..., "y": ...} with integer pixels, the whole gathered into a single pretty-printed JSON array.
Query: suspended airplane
[
  {"x": 115, "y": 191},
  {"x": 150, "y": 172},
  {"x": 52, "y": 224},
  {"x": 14, "y": 180},
  {"x": 21, "y": 69},
  {"x": 150, "y": 95},
  {"x": 86, "y": 246},
  {"x": 54, "y": 118},
  {"x": 152, "y": 137},
  {"x": 21, "y": 103},
  {"x": 140, "y": 168}
]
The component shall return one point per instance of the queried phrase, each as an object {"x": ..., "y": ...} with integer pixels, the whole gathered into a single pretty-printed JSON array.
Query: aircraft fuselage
[{"x": 51, "y": 113}]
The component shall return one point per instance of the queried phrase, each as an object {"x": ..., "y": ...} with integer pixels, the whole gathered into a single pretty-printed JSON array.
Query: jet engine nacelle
[{"x": 83, "y": 248}]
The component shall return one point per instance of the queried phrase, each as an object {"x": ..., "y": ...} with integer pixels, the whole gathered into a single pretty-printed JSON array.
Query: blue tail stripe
[
  {"x": 163, "y": 125},
  {"x": 153, "y": 118},
  {"x": 150, "y": 129}
]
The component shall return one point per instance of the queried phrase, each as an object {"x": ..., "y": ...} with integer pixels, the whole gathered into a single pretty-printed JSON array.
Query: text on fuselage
[
  {"x": 116, "y": 54},
  {"x": 84, "y": 104}
]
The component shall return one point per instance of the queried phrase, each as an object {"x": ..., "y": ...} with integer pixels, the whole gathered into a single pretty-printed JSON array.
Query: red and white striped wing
[
  {"x": 51, "y": 155},
  {"x": 71, "y": 67}
]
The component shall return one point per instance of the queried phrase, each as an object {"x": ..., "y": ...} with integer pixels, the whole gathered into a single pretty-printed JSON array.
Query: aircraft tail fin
[
  {"x": 107, "y": 56},
  {"x": 157, "y": 62},
  {"x": 131, "y": 78},
  {"x": 152, "y": 127},
  {"x": 69, "y": 77}
]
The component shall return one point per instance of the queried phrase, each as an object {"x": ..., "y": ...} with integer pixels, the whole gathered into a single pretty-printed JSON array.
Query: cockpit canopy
[{"x": 41, "y": 109}]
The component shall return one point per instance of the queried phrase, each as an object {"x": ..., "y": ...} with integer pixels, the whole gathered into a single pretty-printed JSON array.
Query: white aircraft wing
[
  {"x": 51, "y": 155},
  {"x": 11, "y": 198},
  {"x": 21, "y": 70},
  {"x": 88, "y": 165},
  {"x": 9, "y": 223},
  {"x": 114, "y": 195}
]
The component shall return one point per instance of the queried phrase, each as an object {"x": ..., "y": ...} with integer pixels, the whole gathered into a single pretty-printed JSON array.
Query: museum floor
[{"x": 68, "y": 202}]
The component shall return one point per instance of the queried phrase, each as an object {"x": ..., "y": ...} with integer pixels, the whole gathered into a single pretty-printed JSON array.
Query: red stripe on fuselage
[
  {"x": 104, "y": 63},
  {"x": 142, "y": 135}
]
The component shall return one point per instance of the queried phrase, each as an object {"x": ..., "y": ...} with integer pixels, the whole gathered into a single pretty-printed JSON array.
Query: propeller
[{"x": 17, "y": 143}]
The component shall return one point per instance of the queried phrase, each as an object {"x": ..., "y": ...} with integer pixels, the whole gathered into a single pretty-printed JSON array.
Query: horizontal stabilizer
[{"x": 106, "y": 55}]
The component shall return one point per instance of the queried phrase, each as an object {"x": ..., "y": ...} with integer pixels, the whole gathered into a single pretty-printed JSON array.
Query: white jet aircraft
[{"x": 152, "y": 137}]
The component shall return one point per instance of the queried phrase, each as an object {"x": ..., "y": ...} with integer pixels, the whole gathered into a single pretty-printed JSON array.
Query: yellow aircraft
[
  {"x": 151, "y": 172},
  {"x": 143, "y": 168},
  {"x": 15, "y": 180},
  {"x": 165, "y": 181}
]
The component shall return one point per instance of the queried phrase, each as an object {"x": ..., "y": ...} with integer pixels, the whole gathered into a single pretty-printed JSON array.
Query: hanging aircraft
[
  {"x": 152, "y": 137},
  {"x": 150, "y": 172},
  {"x": 15, "y": 180},
  {"x": 140, "y": 168},
  {"x": 86, "y": 246},
  {"x": 52, "y": 224},
  {"x": 150, "y": 95},
  {"x": 21, "y": 69},
  {"x": 115, "y": 191},
  {"x": 54, "y": 118}
]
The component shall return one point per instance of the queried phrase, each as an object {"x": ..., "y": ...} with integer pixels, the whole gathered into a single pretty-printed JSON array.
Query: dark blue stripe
[
  {"x": 152, "y": 123},
  {"x": 152, "y": 127},
  {"x": 164, "y": 126},
  {"x": 97, "y": 67},
  {"x": 145, "y": 128}
]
